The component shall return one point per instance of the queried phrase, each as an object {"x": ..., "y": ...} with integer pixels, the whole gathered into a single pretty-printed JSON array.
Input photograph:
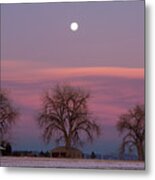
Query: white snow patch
[{"x": 70, "y": 163}]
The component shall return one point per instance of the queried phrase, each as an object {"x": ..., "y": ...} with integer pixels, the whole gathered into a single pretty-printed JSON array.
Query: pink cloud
[
  {"x": 96, "y": 71},
  {"x": 23, "y": 71}
]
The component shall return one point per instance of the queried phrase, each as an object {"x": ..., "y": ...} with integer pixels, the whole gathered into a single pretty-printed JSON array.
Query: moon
[{"x": 74, "y": 26}]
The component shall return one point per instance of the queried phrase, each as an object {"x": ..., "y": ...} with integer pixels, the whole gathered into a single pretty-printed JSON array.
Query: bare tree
[
  {"x": 132, "y": 125},
  {"x": 8, "y": 114},
  {"x": 66, "y": 118}
]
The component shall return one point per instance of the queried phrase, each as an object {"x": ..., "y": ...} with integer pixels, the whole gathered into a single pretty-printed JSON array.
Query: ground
[{"x": 70, "y": 163}]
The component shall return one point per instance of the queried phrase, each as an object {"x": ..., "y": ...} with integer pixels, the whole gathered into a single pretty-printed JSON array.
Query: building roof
[{"x": 64, "y": 149}]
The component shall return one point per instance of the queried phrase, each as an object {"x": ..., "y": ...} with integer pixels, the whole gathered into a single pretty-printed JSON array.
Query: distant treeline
[{"x": 92, "y": 155}]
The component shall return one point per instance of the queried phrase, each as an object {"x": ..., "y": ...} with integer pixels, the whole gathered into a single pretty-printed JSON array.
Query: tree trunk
[
  {"x": 67, "y": 143},
  {"x": 140, "y": 151}
]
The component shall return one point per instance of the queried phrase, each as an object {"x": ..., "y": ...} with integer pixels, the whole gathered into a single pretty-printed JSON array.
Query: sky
[{"x": 105, "y": 56}]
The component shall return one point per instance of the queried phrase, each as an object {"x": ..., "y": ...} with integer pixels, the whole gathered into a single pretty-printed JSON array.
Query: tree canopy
[
  {"x": 65, "y": 116},
  {"x": 132, "y": 126},
  {"x": 8, "y": 114}
]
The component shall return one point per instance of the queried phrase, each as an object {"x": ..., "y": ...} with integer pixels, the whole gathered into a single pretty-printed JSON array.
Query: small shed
[
  {"x": 1, "y": 149},
  {"x": 63, "y": 152}
]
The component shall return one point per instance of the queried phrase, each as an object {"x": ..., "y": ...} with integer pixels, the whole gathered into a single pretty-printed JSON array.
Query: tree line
[{"x": 65, "y": 117}]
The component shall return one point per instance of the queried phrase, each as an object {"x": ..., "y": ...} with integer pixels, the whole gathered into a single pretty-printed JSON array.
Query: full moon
[{"x": 74, "y": 26}]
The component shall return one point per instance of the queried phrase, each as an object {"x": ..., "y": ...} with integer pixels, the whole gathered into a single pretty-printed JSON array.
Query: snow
[{"x": 70, "y": 163}]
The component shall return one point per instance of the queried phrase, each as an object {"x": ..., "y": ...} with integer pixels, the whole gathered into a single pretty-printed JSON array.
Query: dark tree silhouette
[
  {"x": 65, "y": 116},
  {"x": 132, "y": 125},
  {"x": 8, "y": 114}
]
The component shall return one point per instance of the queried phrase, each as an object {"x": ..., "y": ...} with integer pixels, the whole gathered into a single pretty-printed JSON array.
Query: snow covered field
[{"x": 69, "y": 163}]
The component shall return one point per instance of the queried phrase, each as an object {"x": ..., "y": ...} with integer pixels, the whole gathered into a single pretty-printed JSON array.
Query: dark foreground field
[{"x": 69, "y": 163}]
